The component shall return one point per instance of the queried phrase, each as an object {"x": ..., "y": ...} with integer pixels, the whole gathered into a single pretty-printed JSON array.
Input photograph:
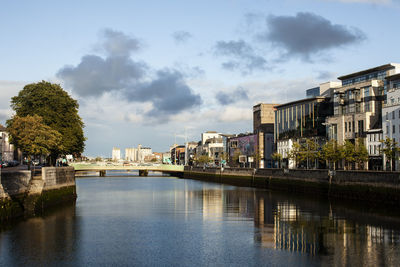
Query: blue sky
[{"x": 144, "y": 71}]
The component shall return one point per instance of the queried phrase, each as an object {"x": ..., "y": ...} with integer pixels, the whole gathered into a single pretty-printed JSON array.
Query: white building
[
  {"x": 131, "y": 154},
  {"x": 116, "y": 153},
  {"x": 6, "y": 149},
  {"x": 283, "y": 148},
  {"x": 391, "y": 112},
  {"x": 142, "y": 152},
  {"x": 212, "y": 144},
  {"x": 208, "y": 135},
  {"x": 374, "y": 147}
]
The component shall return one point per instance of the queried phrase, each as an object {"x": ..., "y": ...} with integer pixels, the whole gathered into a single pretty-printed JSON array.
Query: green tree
[
  {"x": 309, "y": 151},
  {"x": 348, "y": 154},
  {"x": 203, "y": 159},
  {"x": 331, "y": 153},
  {"x": 32, "y": 136},
  {"x": 389, "y": 149},
  {"x": 277, "y": 157},
  {"x": 361, "y": 153},
  {"x": 235, "y": 157},
  {"x": 295, "y": 153},
  {"x": 58, "y": 110}
]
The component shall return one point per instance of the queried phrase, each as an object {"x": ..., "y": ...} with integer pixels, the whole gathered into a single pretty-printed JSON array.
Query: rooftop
[
  {"x": 363, "y": 72},
  {"x": 393, "y": 77},
  {"x": 301, "y": 101},
  {"x": 2, "y": 128}
]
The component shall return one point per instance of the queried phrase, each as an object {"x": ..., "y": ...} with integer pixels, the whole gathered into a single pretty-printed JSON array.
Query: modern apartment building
[
  {"x": 303, "y": 119},
  {"x": 358, "y": 103},
  {"x": 391, "y": 113}
]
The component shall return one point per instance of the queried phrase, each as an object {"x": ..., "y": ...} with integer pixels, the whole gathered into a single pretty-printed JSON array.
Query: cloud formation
[
  {"x": 307, "y": 34},
  {"x": 94, "y": 76},
  {"x": 168, "y": 93},
  {"x": 181, "y": 36},
  {"x": 244, "y": 56},
  {"x": 225, "y": 98}
]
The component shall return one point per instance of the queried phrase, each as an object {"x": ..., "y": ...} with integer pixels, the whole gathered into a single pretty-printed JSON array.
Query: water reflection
[
  {"x": 303, "y": 226},
  {"x": 41, "y": 241},
  {"x": 167, "y": 221}
]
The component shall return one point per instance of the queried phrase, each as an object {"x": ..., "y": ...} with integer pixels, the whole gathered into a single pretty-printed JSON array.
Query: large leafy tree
[
  {"x": 31, "y": 135},
  {"x": 58, "y": 110}
]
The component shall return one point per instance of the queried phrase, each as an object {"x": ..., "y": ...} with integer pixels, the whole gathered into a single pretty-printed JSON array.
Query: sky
[{"x": 152, "y": 72}]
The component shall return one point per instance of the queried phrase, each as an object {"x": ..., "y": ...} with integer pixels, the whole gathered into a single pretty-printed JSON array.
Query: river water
[{"x": 165, "y": 221}]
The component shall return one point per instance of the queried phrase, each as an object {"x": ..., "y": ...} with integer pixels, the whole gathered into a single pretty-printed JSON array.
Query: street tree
[
  {"x": 309, "y": 151},
  {"x": 203, "y": 159},
  {"x": 361, "y": 153},
  {"x": 331, "y": 153},
  {"x": 348, "y": 153},
  {"x": 58, "y": 110},
  {"x": 389, "y": 149},
  {"x": 295, "y": 153},
  {"x": 32, "y": 136}
]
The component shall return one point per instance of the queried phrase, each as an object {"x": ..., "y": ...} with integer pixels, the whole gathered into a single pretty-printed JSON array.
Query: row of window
[
  {"x": 375, "y": 137},
  {"x": 393, "y": 115},
  {"x": 375, "y": 149},
  {"x": 378, "y": 75},
  {"x": 393, "y": 129},
  {"x": 350, "y": 126}
]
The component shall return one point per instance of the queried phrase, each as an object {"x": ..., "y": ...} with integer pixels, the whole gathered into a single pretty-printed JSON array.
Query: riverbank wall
[
  {"x": 27, "y": 193},
  {"x": 372, "y": 186}
]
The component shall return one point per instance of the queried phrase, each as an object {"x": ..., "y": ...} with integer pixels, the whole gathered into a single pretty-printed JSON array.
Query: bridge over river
[{"x": 80, "y": 168}]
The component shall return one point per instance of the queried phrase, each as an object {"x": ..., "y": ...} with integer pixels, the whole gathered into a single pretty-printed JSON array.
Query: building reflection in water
[
  {"x": 304, "y": 226},
  {"x": 45, "y": 240}
]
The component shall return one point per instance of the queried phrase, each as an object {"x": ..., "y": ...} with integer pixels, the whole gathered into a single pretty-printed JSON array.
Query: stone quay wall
[
  {"x": 372, "y": 186},
  {"x": 26, "y": 193}
]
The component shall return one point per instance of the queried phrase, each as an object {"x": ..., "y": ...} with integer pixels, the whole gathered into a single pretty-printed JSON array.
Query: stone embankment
[
  {"x": 375, "y": 186},
  {"x": 26, "y": 193}
]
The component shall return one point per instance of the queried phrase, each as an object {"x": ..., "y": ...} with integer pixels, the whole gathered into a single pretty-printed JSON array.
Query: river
[{"x": 166, "y": 221}]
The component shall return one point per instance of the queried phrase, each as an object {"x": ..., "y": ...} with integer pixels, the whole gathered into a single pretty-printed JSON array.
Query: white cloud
[
  {"x": 8, "y": 89},
  {"x": 233, "y": 114}
]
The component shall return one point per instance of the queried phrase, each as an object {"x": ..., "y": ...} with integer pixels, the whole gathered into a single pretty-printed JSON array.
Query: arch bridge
[{"x": 175, "y": 170}]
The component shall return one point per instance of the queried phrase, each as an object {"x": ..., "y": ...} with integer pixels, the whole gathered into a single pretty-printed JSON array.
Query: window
[
  {"x": 387, "y": 129},
  {"x": 349, "y": 126},
  {"x": 366, "y": 92},
  {"x": 387, "y": 116},
  {"x": 234, "y": 144},
  {"x": 367, "y": 106},
  {"x": 345, "y": 127},
  {"x": 394, "y": 128}
]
